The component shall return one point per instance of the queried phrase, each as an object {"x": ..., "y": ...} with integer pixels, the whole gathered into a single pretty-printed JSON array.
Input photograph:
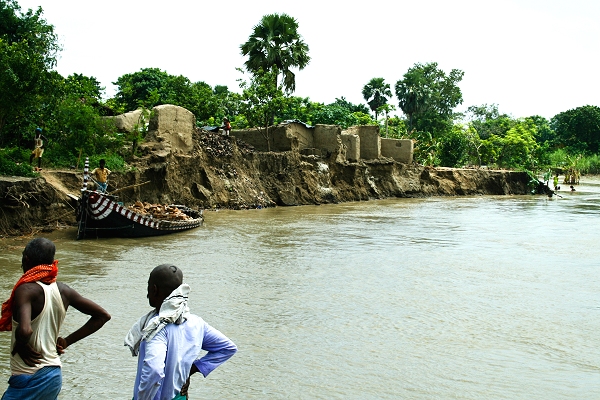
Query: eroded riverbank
[{"x": 224, "y": 173}]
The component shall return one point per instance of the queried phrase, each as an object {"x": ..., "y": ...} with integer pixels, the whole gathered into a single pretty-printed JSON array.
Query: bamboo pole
[{"x": 129, "y": 187}]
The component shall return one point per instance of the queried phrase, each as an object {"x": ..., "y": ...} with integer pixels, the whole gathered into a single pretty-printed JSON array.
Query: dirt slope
[{"x": 223, "y": 173}]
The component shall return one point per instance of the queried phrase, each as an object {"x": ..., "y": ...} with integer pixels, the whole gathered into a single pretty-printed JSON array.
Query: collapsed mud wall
[{"x": 222, "y": 172}]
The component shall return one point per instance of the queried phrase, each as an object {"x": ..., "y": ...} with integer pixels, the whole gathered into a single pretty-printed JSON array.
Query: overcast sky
[{"x": 531, "y": 57}]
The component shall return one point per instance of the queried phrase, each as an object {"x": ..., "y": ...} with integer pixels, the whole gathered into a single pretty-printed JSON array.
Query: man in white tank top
[{"x": 34, "y": 313}]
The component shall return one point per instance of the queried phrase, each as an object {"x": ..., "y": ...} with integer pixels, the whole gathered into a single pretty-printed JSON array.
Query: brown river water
[{"x": 488, "y": 297}]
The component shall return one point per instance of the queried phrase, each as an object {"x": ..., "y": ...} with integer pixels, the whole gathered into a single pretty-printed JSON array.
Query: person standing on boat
[
  {"x": 168, "y": 339},
  {"x": 34, "y": 313},
  {"x": 100, "y": 175}
]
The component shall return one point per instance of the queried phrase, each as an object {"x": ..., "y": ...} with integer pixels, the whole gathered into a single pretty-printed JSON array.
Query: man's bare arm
[{"x": 98, "y": 316}]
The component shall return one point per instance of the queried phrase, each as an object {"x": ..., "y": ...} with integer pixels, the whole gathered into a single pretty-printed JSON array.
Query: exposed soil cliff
[{"x": 224, "y": 173}]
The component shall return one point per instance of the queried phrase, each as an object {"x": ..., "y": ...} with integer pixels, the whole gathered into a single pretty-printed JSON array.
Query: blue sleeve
[
  {"x": 219, "y": 348},
  {"x": 153, "y": 367}
]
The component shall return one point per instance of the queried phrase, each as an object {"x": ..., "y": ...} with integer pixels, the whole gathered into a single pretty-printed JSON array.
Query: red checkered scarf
[{"x": 45, "y": 273}]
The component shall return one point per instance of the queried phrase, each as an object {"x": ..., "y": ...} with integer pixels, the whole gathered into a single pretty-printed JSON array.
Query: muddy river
[{"x": 437, "y": 298}]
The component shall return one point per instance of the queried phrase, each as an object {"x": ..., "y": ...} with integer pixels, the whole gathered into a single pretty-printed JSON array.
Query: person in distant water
[
  {"x": 34, "y": 313},
  {"x": 168, "y": 339},
  {"x": 555, "y": 181},
  {"x": 226, "y": 126},
  {"x": 100, "y": 175},
  {"x": 572, "y": 188},
  {"x": 38, "y": 148}
]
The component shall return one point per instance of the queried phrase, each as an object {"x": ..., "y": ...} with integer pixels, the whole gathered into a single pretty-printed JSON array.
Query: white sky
[{"x": 528, "y": 56}]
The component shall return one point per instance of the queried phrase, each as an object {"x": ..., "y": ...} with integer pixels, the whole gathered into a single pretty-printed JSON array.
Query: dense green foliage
[
  {"x": 428, "y": 96},
  {"x": 12, "y": 162},
  {"x": 578, "y": 129},
  {"x": 28, "y": 51},
  {"x": 71, "y": 110},
  {"x": 151, "y": 87},
  {"x": 341, "y": 112},
  {"x": 276, "y": 45}
]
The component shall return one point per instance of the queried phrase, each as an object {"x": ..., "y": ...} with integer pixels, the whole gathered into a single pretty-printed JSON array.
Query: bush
[
  {"x": 15, "y": 162},
  {"x": 589, "y": 165},
  {"x": 114, "y": 162},
  {"x": 454, "y": 148}
]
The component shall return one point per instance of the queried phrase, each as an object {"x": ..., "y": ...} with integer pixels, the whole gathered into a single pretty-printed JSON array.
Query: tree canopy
[
  {"x": 261, "y": 99},
  {"x": 578, "y": 129},
  {"x": 428, "y": 96},
  {"x": 276, "y": 45},
  {"x": 150, "y": 87},
  {"x": 376, "y": 93},
  {"x": 28, "y": 51}
]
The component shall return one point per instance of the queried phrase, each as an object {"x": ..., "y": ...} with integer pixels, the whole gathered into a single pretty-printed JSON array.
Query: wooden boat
[{"x": 100, "y": 215}]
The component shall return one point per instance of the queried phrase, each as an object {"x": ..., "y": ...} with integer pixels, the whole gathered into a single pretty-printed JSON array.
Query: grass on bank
[{"x": 587, "y": 165}]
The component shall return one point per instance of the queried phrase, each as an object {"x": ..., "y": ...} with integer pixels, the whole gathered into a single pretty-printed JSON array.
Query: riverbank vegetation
[{"x": 70, "y": 110}]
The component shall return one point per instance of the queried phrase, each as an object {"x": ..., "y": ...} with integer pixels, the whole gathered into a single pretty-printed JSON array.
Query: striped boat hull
[{"x": 100, "y": 215}]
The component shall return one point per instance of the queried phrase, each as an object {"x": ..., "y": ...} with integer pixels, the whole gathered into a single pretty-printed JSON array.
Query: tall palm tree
[
  {"x": 412, "y": 99},
  {"x": 276, "y": 44},
  {"x": 376, "y": 93}
]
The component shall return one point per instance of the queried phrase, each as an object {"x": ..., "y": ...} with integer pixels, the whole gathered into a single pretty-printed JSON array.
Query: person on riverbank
[
  {"x": 226, "y": 126},
  {"x": 555, "y": 182},
  {"x": 34, "y": 313},
  {"x": 100, "y": 175},
  {"x": 38, "y": 148},
  {"x": 167, "y": 340}
]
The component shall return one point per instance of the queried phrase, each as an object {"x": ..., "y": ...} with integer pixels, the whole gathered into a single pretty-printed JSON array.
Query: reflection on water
[{"x": 445, "y": 298}]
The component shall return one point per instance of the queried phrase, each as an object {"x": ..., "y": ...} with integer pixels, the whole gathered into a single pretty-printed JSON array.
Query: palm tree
[
  {"x": 411, "y": 99},
  {"x": 376, "y": 94},
  {"x": 276, "y": 45}
]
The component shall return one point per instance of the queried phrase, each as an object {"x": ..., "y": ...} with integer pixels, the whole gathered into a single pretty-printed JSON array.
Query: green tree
[
  {"x": 397, "y": 127},
  {"x": 140, "y": 87},
  {"x": 261, "y": 99},
  {"x": 197, "y": 97},
  {"x": 578, "y": 129},
  {"x": 351, "y": 107},
  {"x": 386, "y": 109},
  {"x": 487, "y": 121},
  {"x": 28, "y": 51},
  {"x": 376, "y": 93},
  {"x": 227, "y": 103},
  {"x": 84, "y": 87},
  {"x": 77, "y": 126},
  {"x": 544, "y": 133},
  {"x": 474, "y": 144},
  {"x": 428, "y": 96},
  {"x": 454, "y": 147},
  {"x": 150, "y": 87},
  {"x": 516, "y": 149},
  {"x": 298, "y": 108},
  {"x": 426, "y": 147},
  {"x": 343, "y": 113},
  {"x": 276, "y": 45}
]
